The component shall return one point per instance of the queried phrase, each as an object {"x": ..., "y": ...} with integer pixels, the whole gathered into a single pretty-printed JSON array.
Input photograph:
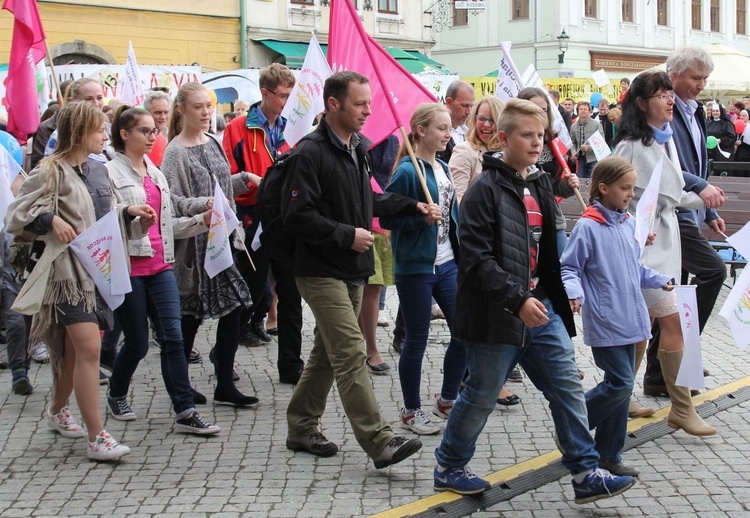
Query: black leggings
[{"x": 227, "y": 336}]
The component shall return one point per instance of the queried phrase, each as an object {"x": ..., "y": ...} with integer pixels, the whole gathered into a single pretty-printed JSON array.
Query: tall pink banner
[
  {"x": 26, "y": 50},
  {"x": 395, "y": 93}
]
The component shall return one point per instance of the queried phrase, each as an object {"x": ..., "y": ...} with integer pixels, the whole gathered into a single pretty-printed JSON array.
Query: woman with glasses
[
  {"x": 466, "y": 160},
  {"x": 136, "y": 182},
  {"x": 645, "y": 139}
]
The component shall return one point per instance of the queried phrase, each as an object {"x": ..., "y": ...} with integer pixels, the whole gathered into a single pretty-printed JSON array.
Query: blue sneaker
[
  {"x": 601, "y": 484},
  {"x": 460, "y": 480}
]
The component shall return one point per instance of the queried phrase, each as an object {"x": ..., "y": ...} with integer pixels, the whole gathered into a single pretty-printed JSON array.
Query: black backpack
[{"x": 268, "y": 203}]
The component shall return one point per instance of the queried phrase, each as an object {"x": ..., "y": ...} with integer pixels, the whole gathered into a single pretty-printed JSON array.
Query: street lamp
[{"x": 563, "y": 40}]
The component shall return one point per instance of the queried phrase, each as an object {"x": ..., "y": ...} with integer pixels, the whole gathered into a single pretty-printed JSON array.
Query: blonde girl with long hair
[{"x": 65, "y": 195}]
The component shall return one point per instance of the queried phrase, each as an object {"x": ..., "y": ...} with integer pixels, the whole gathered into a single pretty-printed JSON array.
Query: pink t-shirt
[{"x": 141, "y": 266}]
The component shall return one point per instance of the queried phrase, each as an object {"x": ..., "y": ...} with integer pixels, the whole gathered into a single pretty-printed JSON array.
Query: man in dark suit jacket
[
  {"x": 688, "y": 69},
  {"x": 567, "y": 117},
  {"x": 459, "y": 99}
]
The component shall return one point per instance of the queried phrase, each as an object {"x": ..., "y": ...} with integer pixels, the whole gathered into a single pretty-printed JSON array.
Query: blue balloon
[
  {"x": 10, "y": 143},
  {"x": 595, "y": 98}
]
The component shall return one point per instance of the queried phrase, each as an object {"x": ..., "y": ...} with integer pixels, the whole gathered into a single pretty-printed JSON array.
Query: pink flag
[
  {"x": 351, "y": 48},
  {"x": 26, "y": 50}
]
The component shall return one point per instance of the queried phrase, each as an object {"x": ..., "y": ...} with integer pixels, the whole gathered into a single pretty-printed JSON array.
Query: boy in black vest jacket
[{"x": 511, "y": 307}]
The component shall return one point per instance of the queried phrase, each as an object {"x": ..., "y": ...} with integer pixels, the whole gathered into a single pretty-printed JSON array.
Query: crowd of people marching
[{"x": 466, "y": 226}]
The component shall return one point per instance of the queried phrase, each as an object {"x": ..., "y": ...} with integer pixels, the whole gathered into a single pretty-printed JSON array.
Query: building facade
[
  {"x": 621, "y": 36},
  {"x": 204, "y": 32}
]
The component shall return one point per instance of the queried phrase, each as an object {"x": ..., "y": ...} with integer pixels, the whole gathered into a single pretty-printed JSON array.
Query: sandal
[{"x": 509, "y": 401}]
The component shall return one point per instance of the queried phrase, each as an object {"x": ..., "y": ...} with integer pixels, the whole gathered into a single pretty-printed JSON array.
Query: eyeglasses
[
  {"x": 147, "y": 132},
  {"x": 283, "y": 97},
  {"x": 665, "y": 96},
  {"x": 484, "y": 120}
]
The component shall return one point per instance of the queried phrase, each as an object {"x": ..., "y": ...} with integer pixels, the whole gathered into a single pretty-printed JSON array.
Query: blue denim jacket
[{"x": 601, "y": 269}]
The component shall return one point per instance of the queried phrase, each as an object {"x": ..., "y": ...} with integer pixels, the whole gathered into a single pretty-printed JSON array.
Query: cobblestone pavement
[{"x": 247, "y": 471}]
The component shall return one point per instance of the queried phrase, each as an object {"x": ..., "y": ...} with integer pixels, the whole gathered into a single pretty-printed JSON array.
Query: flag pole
[
  {"x": 415, "y": 163},
  {"x": 566, "y": 172},
  {"x": 60, "y": 99}
]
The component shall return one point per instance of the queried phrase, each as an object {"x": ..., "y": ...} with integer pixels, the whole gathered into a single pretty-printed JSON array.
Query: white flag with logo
[
  {"x": 223, "y": 222},
  {"x": 101, "y": 252},
  {"x": 691, "y": 369},
  {"x": 645, "y": 213},
  {"x": 9, "y": 169},
  {"x": 740, "y": 240},
  {"x": 531, "y": 77},
  {"x": 132, "y": 88},
  {"x": 736, "y": 309},
  {"x": 306, "y": 99},
  {"x": 599, "y": 146},
  {"x": 508, "y": 79}
]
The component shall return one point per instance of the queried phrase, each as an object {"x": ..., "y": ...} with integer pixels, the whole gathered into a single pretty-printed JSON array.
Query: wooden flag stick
[
  {"x": 60, "y": 99},
  {"x": 417, "y": 167}
]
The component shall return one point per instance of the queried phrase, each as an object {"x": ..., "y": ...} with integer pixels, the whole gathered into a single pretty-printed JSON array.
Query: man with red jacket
[{"x": 252, "y": 143}]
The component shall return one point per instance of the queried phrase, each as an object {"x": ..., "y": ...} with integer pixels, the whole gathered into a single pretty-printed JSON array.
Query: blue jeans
[
  {"x": 607, "y": 403},
  {"x": 415, "y": 293},
  {"x": 549, "y": 360},
  {"x": 585, "y": 169},
  {"x": 154, "y": 296}
]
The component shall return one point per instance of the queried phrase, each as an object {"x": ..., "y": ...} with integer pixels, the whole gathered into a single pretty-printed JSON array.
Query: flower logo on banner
[{"x": 742, "y": 311}]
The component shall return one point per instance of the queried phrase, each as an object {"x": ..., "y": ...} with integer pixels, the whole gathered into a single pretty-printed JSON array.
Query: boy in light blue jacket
[{"x": 603, "y": 276}]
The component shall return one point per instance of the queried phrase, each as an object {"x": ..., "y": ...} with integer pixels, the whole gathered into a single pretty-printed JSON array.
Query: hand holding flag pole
[{"x": 555, "y": 147}]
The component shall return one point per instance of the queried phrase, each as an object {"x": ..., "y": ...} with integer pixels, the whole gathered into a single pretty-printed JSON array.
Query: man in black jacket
[
  {"x": 327, "y": 204},
  {"x": 511, "y": 307}
]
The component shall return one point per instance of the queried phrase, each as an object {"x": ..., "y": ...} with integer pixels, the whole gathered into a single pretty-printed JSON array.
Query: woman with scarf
[
  {"x": 65, "y": 195},
  {"x": 645, "y": 138}
]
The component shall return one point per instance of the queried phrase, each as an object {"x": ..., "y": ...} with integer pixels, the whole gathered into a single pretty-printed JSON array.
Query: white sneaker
[
  {"x": 105, "y": 447},
  {"x": 64, "y": 424},
  {"x": 419, "y": 422},
  {"x": 383, "y": 319},
  {"x": 39, "y": 353}
]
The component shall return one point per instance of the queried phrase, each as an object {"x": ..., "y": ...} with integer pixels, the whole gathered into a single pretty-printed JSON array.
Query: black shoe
[
  {"x": 291, "y": 378},
  {"x": 21, "y": 385},
  {"x": 248, "y": 338},
  {"x": 212, "y": 359},
  {"x": 234, "y": 398},
  {"x": 3, "y": 364},
  {"x": 194, "y": 423},
  {"x": 511, "y": 400},
  {"x": 259, "y": 329},
  {"x": 315, "y": 443},
  {"x": 515, "y": 376},
  {"x": 273, "y": 331},
  {"x": 398, "y": 344},
  {"x": 198, "y": 398},
  {"x": 103, "y": 378},
  {"x": 195, "y": 357}
]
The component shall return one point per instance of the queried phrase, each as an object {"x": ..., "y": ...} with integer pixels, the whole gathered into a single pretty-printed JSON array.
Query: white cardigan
[{"x": 665, "y": 255}]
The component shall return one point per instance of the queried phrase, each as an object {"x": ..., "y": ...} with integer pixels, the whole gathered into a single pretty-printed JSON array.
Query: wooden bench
[{"x": 727, "y": 169}]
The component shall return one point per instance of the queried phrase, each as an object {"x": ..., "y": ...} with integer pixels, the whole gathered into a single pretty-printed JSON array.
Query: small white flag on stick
[
  {"x": 132, "y": 89},
  {"x": 508, "y": 79},
  {"x": 9, "y": 169},
  {"x": 223, "y": 222},
  {"x": 691, "y": 369},
  {"x": 645, "y": 213},
  {"x": 599, "y": 146},
  {"x": 740, "y": 240},
  {"x": 600, "y": 78},
  {"x": 736, "y": 309},
  {"x": 101, "y": 252},
  {"x": 531, "y": 77},
  {"x": 306, "y": 99}
]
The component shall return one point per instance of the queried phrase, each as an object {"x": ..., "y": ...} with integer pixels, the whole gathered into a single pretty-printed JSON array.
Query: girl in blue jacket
[
  {"x": 425, "y": 265},
  {"x": 603, "y": 276}
]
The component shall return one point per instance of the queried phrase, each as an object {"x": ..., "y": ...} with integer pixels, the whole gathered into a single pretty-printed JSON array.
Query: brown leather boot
[
  {"x": 635, "y": 410},
  {"x": 683, "y": 414}
]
